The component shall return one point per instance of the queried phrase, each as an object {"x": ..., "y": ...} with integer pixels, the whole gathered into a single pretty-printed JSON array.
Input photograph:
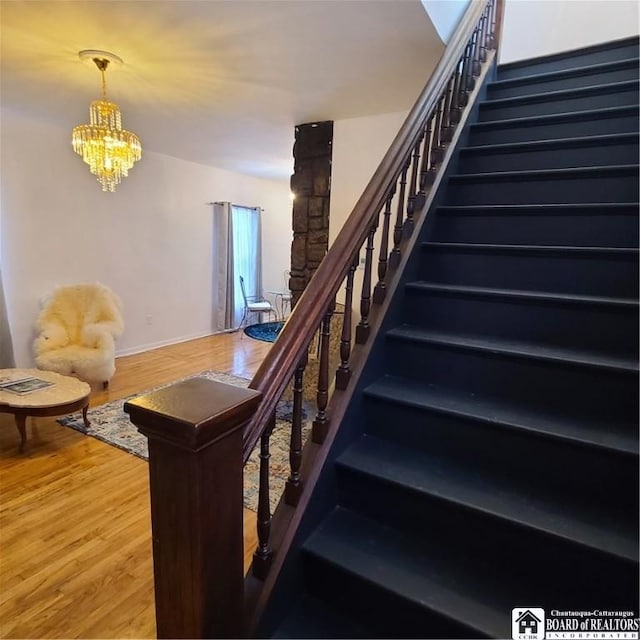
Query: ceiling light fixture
[{"x": 108, "y": 149}]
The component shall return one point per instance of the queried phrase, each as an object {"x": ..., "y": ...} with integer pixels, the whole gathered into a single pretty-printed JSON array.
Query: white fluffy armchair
[{"x": 77, "y": 328}]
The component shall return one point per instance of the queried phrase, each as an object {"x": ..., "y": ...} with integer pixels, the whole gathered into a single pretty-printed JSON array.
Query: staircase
[{"x": 492, "y": 455}]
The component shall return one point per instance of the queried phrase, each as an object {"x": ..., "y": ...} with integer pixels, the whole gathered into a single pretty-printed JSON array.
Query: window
[{"x": 247, "y": 261}]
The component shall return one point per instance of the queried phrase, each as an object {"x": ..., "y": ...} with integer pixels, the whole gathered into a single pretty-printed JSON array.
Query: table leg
[
  {"x": 21, "y": 422},
  {"x": 87, "y": 424}
]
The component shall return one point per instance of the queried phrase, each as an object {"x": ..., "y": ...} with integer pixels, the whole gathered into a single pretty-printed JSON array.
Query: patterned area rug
[
  {"x": 110, "y": 424},
  {"x": 265, "y": 331}
]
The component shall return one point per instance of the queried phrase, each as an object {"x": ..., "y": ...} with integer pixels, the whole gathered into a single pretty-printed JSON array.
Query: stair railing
[{"x": 201, "y": 433}]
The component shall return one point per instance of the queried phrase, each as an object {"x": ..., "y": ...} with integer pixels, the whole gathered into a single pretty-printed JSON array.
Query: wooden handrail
[{"x": 277, "y": 368}]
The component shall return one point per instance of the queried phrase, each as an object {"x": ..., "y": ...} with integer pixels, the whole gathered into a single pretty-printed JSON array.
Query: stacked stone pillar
[{"x": 311, "y": 186}]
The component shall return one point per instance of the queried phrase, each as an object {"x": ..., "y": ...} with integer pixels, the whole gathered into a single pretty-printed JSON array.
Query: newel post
[{"x": 195, "y": 431}]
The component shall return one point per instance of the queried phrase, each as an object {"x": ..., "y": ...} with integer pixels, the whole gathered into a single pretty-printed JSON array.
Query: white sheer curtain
[{"x": 237, "y": 252}]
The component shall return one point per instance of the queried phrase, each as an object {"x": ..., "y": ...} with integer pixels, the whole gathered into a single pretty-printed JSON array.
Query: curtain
[
  {"x": 237, "y": 252},
  {"x": 223, "y": 271},
  {"x": 6, "y": 347}
]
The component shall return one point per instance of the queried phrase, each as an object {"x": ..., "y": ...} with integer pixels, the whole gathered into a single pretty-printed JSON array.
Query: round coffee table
[{"x": 66, "y": 395}]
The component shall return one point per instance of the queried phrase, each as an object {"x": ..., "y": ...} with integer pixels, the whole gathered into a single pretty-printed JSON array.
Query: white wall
[
  {"x": 151, "y": 241},
  {"x": 445, "y": 15},
  {"x": 358, "y": 147},
  {"x": 539, "y": 27}
]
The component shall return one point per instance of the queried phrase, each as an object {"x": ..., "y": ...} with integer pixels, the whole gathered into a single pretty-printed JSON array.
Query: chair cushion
[
  {"x": 95, "y": 365},
  {"x": 259, "y": 306}
]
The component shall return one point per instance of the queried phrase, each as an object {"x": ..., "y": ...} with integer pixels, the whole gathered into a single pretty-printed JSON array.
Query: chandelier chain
[{"x": 102, "y": 64}]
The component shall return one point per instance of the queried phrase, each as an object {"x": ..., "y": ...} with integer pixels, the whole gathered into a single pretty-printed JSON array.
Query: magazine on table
[{"x": 24, "y": 385}]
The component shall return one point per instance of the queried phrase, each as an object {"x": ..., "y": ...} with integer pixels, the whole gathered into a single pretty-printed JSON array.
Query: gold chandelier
[{"x": 108, "y": 149}]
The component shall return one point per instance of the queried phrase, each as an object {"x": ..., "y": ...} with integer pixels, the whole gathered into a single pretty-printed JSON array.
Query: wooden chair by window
[{"x": 254, "y": 304}]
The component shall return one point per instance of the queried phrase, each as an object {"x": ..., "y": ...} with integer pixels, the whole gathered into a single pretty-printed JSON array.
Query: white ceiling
[{"x": 218, "y": 82}]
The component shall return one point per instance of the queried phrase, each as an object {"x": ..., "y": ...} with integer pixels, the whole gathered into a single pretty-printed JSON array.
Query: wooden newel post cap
[{"x": 194, "y": 413}]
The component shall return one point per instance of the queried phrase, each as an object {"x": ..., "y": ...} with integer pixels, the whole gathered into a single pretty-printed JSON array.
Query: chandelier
[{"x": 108, "y": 149}]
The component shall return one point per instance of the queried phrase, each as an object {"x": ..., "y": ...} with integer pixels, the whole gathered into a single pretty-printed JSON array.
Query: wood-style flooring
[{"x": 75, "y": 531}]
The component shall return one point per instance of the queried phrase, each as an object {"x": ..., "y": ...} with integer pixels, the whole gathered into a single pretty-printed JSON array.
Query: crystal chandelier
[{"x": 108, "y": 149}]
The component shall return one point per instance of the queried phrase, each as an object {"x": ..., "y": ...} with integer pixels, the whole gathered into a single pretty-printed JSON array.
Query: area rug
[
  {"x": 110, "y": 424},
  {"x": 265, "y": 331}
]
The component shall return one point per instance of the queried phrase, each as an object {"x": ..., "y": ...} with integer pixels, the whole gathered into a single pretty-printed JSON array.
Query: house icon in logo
[{"x": 528, "y": 623}]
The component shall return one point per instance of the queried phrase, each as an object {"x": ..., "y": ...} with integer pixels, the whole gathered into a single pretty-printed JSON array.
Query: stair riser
[
  {"x": 559, "y": 272},
  {"x": 586, "y": 327},
  {"x": 613, "y": 98},
  {"x": 501, "y": 542},
  {"x": 385, "y": 612},
  {"x": 619, "y": 186},
  {"x": 569, "y": 62},
  {"x": 626, "y": 72},
  {"x": 551, "y": 158},
  {"x": 581, "y": 230},
  {"x": 572, "y": 470},
  {"x": 569, "y": 128},
  {"x": 602, "y": 393}
]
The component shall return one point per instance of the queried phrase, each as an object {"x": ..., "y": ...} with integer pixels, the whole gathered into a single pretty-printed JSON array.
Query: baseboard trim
[{"x": 165, "y": 343}]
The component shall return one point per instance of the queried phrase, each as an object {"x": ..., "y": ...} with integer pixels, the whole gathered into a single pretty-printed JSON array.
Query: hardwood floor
[{"x": 75, "y": 531}]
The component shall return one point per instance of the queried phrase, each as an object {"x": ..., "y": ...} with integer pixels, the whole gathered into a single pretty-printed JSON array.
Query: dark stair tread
[
  {"x": 481, "y": 490},
  {"x": 531, "y": 248},
  {"x": 546, "y": 96},
  {"x": 503, "y": 412},
  {"x": 590, "y": 208},
  {"x": 565, "y": 73},
  {"x": 552, "y": 118},
  {"x": 312, "y": 618},
  {"x": 569, "y": 172},
  {"x": 611, "y": 45},
  {"x": 562, "y": 298},
  {"x": 438, "y": 579},
  {"x": 554, "y": 143},
  {"x": 515, "y": 348}
]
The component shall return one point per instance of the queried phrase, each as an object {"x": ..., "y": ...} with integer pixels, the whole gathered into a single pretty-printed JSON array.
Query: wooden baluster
[
  {"x": 463, "y": 97},
  {"x": 363, "y": 329},
  {"x": 394, "y": 256},
  {"x": 195, "y": 432},
  {"x": 426, "y": 154},
  {"x": 469, "y": 79},
  {"x": 262, "y": 556},
  {"x": 294, "y": 485},
  {"x": 343, "y": 373},
  {"x": 483, "y": 34},
  {"x": 447, "y": 126},
  {"x": 492, "y": 25},
  {"x": 321, "y": 422},
  {"x": 456, "y": 108},
  {"x": 413, "y": 189},
  {"x": 437, "y": 148},
  {"x": 380, "y": 290},
  {"x": 421, "y": 196},
  {"x": 476, "y": 67},
  {"x": 489, "y": 13}
]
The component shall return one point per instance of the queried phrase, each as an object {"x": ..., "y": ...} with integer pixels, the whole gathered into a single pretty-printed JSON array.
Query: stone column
[{"x": 311, "y": 186}]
